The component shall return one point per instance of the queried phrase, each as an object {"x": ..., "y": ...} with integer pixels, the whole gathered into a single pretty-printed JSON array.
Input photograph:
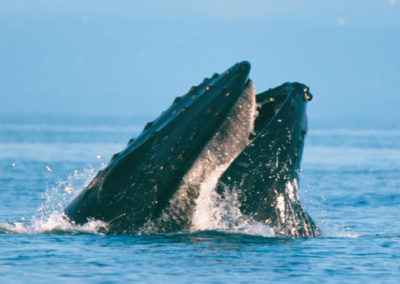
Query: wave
[
  {"x": 62, "y": 128},
  {"x": 355, "y": 132}
]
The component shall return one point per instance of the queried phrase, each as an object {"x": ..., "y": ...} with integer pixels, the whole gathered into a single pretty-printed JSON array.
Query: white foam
[
  {"x": 290, "y": 189},
  {"x": 345, "y": 235},
  {"x": 280, "y": 205},
  {"x": 56, "y": 222},
  {"x": 50, "y": 217},
  {"x": 206, "y": 215},
  {"x": 223, "y": 214},
  {"x": 330, "y": 230}
]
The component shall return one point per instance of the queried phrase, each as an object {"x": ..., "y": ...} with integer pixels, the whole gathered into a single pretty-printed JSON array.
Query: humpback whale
[{"x": 248, "y": 145}]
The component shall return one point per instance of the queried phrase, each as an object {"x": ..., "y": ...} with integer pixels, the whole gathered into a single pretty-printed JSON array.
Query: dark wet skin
[
  {"x": 138, "y": 183},
  {"x": 260, "y": 174}
]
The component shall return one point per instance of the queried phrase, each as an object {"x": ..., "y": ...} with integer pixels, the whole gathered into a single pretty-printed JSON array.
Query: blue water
[{"x": 349, "y": 184}]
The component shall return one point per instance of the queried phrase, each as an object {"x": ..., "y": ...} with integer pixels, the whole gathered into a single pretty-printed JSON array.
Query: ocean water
[{"x": 349, "y": 184}]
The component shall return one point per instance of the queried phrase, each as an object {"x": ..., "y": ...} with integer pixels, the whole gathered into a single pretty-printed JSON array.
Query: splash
[
  {"x": 332, "y": 230},
  {"x": 213, "y": 212},
  {"x": 223, "y": 214},
  {"x": 50, "y": 217},
  {"x": 55, "y": 223}
]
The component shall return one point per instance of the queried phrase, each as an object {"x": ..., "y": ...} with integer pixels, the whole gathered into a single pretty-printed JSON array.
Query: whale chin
[{"x": 220, "y": 137}]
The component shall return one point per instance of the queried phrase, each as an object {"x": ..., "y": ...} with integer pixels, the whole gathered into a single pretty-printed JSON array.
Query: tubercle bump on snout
[{"x": 307, "y": 95}]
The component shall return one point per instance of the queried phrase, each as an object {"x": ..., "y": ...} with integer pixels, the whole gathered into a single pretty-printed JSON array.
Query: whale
[{"x": 220, "y": 134}]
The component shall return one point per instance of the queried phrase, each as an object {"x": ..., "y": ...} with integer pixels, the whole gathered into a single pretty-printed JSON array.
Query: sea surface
[{"x": 350, "y": 185}]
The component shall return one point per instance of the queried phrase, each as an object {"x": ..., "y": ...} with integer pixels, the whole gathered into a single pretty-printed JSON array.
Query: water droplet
[
  {"x": 50, "y": 170},
  {"x": 68, "y": 189},
  {"x": 14, "y": 165},
  {"x": 99, "y": 157}
]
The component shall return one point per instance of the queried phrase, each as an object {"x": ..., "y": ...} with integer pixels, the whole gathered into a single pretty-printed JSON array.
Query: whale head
[{"x": 219, "y": 135}]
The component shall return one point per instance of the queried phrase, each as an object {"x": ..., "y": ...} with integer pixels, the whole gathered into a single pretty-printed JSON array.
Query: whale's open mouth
[
  {"x": 268, "y": 106},
  {"x": 220, "y": 135}
]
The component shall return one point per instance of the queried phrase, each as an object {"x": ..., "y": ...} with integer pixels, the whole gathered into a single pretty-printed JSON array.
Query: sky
[{"x": 135, "y": 57}]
